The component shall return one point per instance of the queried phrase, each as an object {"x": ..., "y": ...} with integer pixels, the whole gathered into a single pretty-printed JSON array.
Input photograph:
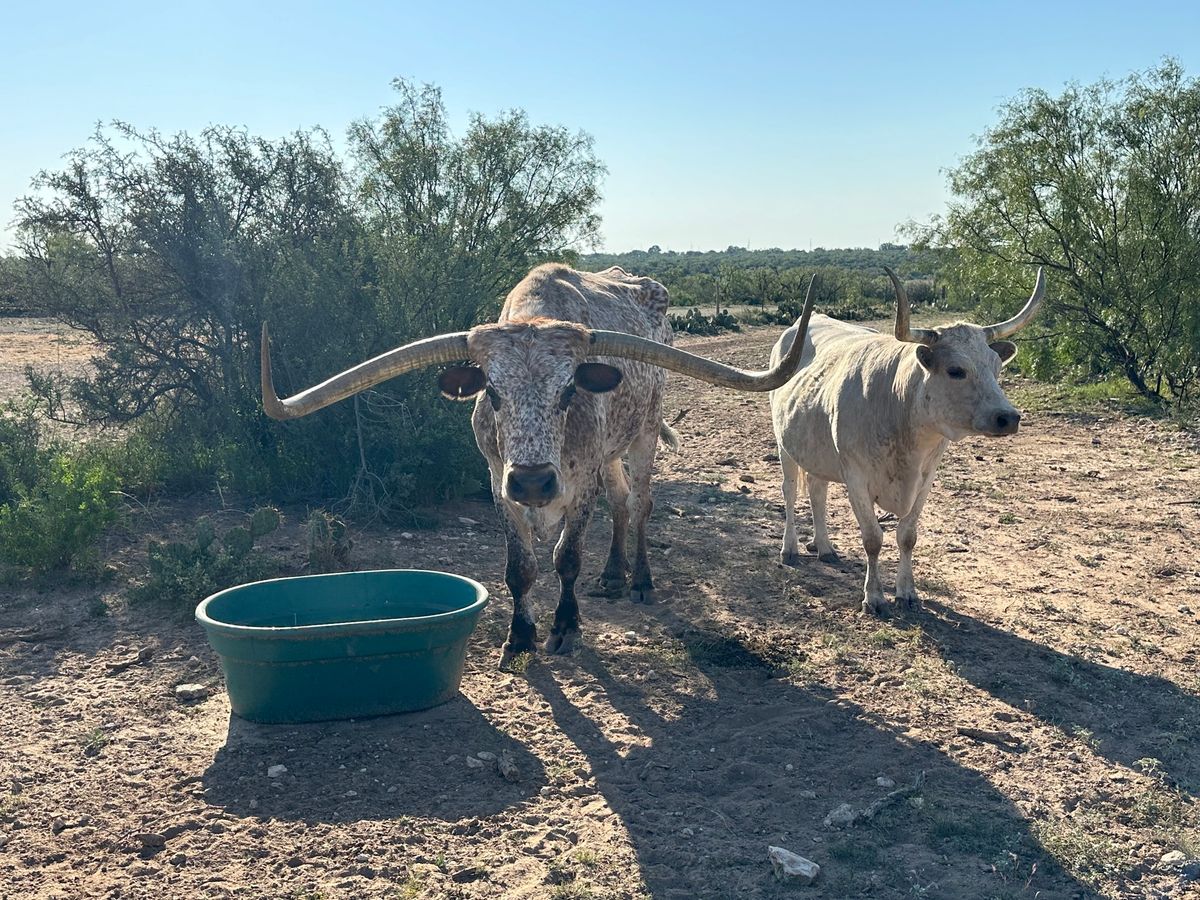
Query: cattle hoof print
[{"x": 561, "y": 644}]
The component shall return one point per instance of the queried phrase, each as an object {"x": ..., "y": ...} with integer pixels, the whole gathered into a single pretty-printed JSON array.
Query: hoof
[
  {"x": 909, "y": 601},
  {"x": 642, "y": 594},
  {"x": 518, "y": 646},
  {"x": 608, "y": 587},
  {"x": 560, "y": 643},
  {"x": 789, "y": 558},
  {"x": 515, "y": 660},
  {"x": 874, "y": 607},
  {"x": 830, "y": 558}
]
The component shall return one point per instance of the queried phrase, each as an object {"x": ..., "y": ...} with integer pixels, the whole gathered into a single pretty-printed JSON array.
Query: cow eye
[
  {"x": 494, "y": 397},
  {"x": 568, "y": 392},
  {"x": 956, "y": 372}
]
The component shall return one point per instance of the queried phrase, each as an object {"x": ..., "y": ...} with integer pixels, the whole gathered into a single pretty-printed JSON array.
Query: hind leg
[
  {"x": 613, "y": 579},
  {"x": 818, "y": 498},
  {"x": 641, "y": 465},
  {"x": 789, "y": 553}
]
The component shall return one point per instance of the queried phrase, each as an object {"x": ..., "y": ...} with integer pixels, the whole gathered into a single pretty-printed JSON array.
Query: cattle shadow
[
  {"x": 1126, "y": 717},
  {"x": 757, "y": 761},
  {"x": 370, "y": 769}
]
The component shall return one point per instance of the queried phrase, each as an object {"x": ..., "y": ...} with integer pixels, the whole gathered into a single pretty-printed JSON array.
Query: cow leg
[
  {"x": 641, "y": 465},
  {"x": 613, "y": 579},
  {"x": 906, "y": 539},
  {"x": 818, "y": 499},
  {"x": 519, "y": 575},
  {"x": 789, "y": 554},
  {"x": 567, "y": 554},
  {"x": 872, "y": 540}
]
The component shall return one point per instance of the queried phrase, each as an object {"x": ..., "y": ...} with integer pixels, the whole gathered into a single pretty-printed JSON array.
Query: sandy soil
[
  {"x": 661, "y": 760},
  {"x": 41, "y": 343}
]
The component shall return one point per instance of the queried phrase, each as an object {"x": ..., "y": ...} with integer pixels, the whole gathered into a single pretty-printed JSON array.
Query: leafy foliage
[
  {"x": 171, "y": 252},
  {"x": 1100, "y": 185},
  {"x": 54, "y": 504},
  {"x": 186, "y": 572}
]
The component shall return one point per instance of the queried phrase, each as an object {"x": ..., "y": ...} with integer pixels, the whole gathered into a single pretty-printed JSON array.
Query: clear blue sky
[{"x": 759, "y": 124}]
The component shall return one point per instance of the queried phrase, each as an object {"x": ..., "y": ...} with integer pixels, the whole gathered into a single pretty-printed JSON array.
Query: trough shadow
[
  {"x": 414, "y": 766},
  {"x": 1129, "y": 716}
]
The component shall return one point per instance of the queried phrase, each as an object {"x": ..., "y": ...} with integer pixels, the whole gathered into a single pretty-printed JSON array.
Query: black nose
[
  {"x": 1007, "y": 422},
  {"x": 533, "y": 485}
]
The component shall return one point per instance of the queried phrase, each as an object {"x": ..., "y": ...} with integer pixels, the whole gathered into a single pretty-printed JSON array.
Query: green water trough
[{"x": 342, "y": 646}]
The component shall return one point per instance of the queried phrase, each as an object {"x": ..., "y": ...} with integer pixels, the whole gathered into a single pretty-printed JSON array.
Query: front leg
[
  {"x": 567, "y": 555},
  {"x": 872, "y": 540},
  {"x": 519, "y": 575},
  {"x": 906, "y": 539}
]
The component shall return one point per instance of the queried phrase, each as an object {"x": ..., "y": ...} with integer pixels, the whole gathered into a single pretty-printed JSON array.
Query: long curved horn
[
  {"x": 1021, "y": 319},
  {"x": 432, "y": 351},
  {"x": 903, "y": 311},
  {"x": 629, "y": 346}
]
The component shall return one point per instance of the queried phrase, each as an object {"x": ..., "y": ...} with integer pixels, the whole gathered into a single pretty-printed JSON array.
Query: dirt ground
[{"x": 1062, "y": 586}]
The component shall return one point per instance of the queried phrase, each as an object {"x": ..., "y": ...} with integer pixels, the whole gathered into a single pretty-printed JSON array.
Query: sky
[{"x": 790, "y": 125}]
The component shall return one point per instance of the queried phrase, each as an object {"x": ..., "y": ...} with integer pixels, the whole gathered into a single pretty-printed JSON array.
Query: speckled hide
[{"x": 538, "y": 415}]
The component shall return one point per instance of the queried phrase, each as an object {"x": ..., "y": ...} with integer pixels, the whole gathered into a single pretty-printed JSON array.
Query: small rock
[
  {"x": 507, "y": 767},
  {"x": 840, "y": 816},
  {"x": 150, "y": 839},
  {"x": 884, "y": 782},
  {"x": 407, "y": 535},
  {"x": 687, "y": 832},
  {"x": 190, "y": 692},
  {"x": 253, "y": 803},
  {"x": 58, "y": 825},
  {"x": 806, "y": 795},
  {"x": 470, "y": 523},
  {"x": 277, "y": 770},
  {"x": 485, "y": 756},
  {"x": 474, "y": 763},
  {"x": 362, "y": 858},
  {"x": 1173, "y": 859},
  {"x": 789, "y": 767},
  {"x": 749, "y": 479},
  {"x": 916, "y": 802},
  {"x": 179, "y": 859},
  {"x": 788, "y": 866},
  {"x": 1073, "y": 756},
  {"x": 631, "y": 637}
]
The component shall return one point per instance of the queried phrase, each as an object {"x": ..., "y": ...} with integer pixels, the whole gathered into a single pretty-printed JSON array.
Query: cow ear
[
  {"x": 1006, "y": 350},
  {"x": 925, "y": 357},
  {"x": 461, "y": 382},
  {"x": 597, "y": 377}
]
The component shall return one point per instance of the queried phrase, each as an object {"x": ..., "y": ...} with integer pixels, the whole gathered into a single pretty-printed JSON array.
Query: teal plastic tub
[{"x": 342, "y": 646}]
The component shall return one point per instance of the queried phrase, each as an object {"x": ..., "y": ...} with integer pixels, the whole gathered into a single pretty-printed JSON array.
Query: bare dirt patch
[
  {"x": 1049, "y": 692},
  {"x": 42, "y": 344}
]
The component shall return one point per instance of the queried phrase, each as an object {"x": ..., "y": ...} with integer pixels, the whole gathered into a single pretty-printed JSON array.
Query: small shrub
[
  {"x": 328, "y": 542},
  {"x": 55, "y": 516},
  {"x": 695, "y": 322},
  {"x": 186, "y": 572}
]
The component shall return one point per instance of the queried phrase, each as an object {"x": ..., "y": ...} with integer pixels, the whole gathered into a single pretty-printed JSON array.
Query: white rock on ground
[
  {"x": 190, "y": 692},
  {"x": 840, "y": 816},
  {"x": 276, "y": 770},
  {"x": 788, "y": 866}
]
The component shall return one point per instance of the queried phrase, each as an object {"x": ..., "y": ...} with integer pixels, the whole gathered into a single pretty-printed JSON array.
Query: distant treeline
[{"x": 849, "y": 281}]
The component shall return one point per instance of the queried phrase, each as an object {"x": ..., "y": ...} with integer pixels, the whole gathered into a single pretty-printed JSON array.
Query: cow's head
[
  {"x": 962, "y": 365},
  {"x": 533, "y": 372}
]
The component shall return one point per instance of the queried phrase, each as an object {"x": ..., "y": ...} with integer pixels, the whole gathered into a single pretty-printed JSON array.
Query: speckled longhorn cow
[
  {"x": 875, "y": 412},
  {"x": 568, "y": 383}
]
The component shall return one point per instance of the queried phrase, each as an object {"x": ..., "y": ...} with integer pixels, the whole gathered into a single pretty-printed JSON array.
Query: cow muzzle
[
  {"x": 1003, "y": 421},
  {"x": 532, "y": 485}
]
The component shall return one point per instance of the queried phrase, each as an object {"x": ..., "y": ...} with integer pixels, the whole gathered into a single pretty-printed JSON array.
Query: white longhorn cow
[{"x": 875, "y": 413}]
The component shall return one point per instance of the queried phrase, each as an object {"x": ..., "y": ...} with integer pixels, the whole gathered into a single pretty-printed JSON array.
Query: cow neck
[{"x": 911, "y": 382}]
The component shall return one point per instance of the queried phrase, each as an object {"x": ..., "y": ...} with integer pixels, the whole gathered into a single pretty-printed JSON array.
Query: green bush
[
  {"x": 187, "y": 572},
  {"x": 54, "y": 504}
]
